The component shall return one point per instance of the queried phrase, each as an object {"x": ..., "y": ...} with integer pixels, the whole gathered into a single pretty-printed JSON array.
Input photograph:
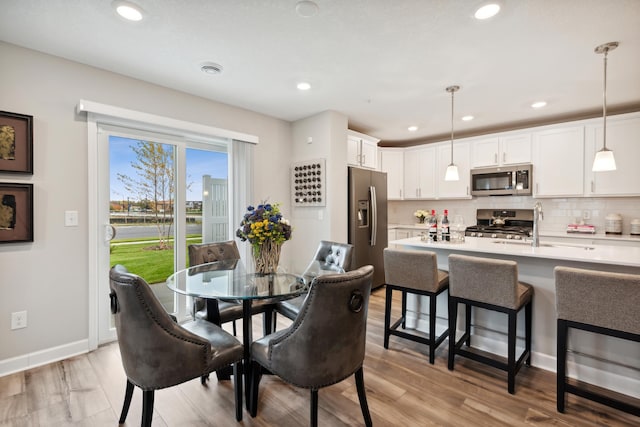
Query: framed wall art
[
  {"x": 16, "y": 212},
  {"x": 16, "y": 143}
]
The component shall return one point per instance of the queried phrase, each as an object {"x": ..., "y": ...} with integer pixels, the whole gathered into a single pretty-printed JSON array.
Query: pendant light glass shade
[
  {"x": 452, "y": 173},
  {"x": 452, "y": 170},
  {"x": 604, "y": 160}
]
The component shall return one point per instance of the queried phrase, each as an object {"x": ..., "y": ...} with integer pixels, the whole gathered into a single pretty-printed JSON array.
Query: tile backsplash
[{"x": 557, "y": 212}]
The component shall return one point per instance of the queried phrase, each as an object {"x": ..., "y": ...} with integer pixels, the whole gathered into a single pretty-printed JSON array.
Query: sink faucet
[{"x": 537, "y": 216}]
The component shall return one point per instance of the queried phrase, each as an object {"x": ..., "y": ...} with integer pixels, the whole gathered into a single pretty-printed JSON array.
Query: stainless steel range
[{"x": 516, "y": 224}]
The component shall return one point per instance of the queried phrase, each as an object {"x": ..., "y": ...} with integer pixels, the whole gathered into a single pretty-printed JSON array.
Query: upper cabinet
[
  {"x": 499, "y": 151},
  {"x": 461, "y": 158},
  {"x": 419, "y": 172},
  {"x": 558, "y": 162},
  {"x": 392, "y": 162},
  {"x": 362, "y": 150},
  {"x": 623, "y": 138}
]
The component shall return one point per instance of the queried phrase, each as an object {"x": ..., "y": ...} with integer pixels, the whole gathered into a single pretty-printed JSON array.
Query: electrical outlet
[
  {"x": 19, "y": 320},
  {"x": 586, "y": 214}
]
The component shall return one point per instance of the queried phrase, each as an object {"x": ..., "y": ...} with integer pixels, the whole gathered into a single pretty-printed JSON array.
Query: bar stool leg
[
  {"x": 468, "y": 324},
  {"x": 511, "y": 351},
  {"x": 387, "y": 315},
  {"x": 432, "y": 328},
  {"x": 528, "y": 314},
  {"x": 404, "y": 309},
  {"x": 561, "y": 360},
  {"x": 453, "y": 320}
]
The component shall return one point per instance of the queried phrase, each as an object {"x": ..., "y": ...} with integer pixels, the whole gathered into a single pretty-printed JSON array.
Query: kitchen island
[{"x": 600, "y": 360}]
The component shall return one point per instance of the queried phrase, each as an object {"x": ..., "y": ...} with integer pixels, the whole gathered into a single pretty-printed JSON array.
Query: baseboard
[{"x": 43, "y": 357}]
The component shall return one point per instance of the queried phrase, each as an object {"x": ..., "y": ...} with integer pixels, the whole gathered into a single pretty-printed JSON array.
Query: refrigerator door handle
[{"x": 374, "y": 215}]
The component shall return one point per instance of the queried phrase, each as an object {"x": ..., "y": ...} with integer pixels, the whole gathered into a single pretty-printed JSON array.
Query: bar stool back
[
  {"x": 493, "y": 285},
  {"x": 414, "y": 272},
  {"x": 599, "y": 302}
]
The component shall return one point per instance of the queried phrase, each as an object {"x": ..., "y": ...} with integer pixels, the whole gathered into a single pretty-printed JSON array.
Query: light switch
[{"x": 70, "y": 218}]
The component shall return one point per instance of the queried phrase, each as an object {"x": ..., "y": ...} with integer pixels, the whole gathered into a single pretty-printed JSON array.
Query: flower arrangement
[
  {"x": 266, "y": 229},
  {"x": 421, "y": 214}
]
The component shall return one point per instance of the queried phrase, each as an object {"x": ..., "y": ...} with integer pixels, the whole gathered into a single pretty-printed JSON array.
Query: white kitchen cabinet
[
  {"x": 558, "y": 162},
  {"x": 419, "y": 173},
  {"x": 461, "y": 158},
  {"x": 623, "y": 138},
  {"x": 501, "y": 150},
  {"x": 392, "y": 162},
  {"x": 362, "y": 150}
]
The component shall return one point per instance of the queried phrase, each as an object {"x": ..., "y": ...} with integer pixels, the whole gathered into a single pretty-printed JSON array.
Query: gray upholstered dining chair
[
  {"x": 215, "y": 311},
  {"x": 220, "y": 312},
  {"x": 325, "y": 344},
  {"x": 330, "y": 256},
  {"x": 157, "y": 352}
]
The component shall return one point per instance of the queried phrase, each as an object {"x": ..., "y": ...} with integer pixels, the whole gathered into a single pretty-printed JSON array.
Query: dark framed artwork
[
  {"x": 16, "y": 212},
  {"x": 16, "y": 143}
]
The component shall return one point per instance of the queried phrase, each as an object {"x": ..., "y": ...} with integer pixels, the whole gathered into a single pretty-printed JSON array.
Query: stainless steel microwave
[{"x": 502, "y": 181}]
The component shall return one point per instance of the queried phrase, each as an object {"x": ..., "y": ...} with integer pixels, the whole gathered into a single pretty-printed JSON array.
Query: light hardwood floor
[{"x": 402, "y": 390}]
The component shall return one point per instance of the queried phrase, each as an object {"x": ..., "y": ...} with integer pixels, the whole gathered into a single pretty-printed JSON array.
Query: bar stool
[
  {"x": 598, "y": 302},
  {"x": 493, "y": 285},
  {"x": 414, "y": 272}
]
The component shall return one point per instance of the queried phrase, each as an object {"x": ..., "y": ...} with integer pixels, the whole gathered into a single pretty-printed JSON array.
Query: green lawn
[{"x": 152, "y": 265}]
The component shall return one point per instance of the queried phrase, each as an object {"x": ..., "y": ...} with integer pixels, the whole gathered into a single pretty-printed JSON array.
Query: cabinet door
[
  {"x": 461, "y": 158},
  {"x": 485, "y": 152},
  {"x": 558, "y": 158},
  {"x": 368, "y": 154},
  {"x": 392, "y": 162},
  {"x": 353, "y": 151},
  {"x": 427, "y": 168},
  {"x": 419, "y": 173},
  {"x": 623, "y": 139},
  {"x": 515, "y": 149}
]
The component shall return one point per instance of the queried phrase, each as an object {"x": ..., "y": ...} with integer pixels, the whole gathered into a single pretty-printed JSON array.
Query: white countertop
[{"x": 603, "y": 254}]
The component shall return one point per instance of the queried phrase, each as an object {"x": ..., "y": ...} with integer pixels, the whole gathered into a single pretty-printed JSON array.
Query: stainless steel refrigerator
[{"x": 368, "y": 219}]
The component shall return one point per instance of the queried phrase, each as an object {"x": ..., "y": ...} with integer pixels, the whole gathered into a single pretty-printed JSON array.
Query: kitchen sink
[{"x": 543, "y": 245}]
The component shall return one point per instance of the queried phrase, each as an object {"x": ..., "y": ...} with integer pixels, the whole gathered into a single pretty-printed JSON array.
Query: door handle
[
  {"x": 109, "y": 232},
  {"x": 374, "y": 216}
]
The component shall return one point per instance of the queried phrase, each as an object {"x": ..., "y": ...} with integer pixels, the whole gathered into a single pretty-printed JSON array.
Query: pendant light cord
[
  {"x": 604, "y": 101},
  {"x": 452, "y": 92}
]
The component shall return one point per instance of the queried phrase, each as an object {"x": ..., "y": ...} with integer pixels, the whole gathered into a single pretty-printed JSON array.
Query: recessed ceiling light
[
  {"x": 306, "y": 8},
  {"x": 467, "y": 118},
  {"x": 412, "y": 128},
  {"x": 211, "y": 68},
  {"x": 487, "y": 11},
  {"x": 128, "y": 10},
  {"x": 538, "y": 104},
  {"x": 303, "y": 86}
]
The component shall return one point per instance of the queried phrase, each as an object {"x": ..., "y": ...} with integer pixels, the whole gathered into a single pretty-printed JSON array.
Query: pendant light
[
  {"x": 452, "y": 170},
  {"x": 604, "y": 160}
]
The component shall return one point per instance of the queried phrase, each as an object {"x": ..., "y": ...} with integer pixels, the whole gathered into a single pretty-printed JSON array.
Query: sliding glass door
[{"x": 157, "y": 195}]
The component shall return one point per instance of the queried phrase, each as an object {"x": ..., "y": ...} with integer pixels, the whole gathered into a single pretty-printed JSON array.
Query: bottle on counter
[
  {"x": 433, "y": 226},
  {"x": 446, "y": 234}
]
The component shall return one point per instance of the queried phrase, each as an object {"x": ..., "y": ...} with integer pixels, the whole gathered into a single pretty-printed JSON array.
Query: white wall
[
  {"x": 48, "y": 277},
  {"x": 328, "y": 134}
]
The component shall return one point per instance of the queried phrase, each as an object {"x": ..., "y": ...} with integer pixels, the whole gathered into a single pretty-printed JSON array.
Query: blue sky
[{"x": 199, "y": 163}]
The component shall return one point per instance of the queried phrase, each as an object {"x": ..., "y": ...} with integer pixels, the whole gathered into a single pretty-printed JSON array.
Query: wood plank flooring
[{"x": 402, "y": 390}]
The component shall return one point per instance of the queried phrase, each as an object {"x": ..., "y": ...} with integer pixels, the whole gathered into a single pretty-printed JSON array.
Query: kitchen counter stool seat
[
  {"x": 413, "y": 272},
  {"x": 490, "y": 284},
  {"x": 598, "y": 302}
]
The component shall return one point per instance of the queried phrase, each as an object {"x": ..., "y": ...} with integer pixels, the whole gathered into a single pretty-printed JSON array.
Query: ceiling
[{"x": 385, "y": 64}]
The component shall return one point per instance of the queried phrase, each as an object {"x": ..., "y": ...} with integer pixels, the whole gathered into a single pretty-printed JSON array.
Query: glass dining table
[{"x": 229, "y": 280}]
